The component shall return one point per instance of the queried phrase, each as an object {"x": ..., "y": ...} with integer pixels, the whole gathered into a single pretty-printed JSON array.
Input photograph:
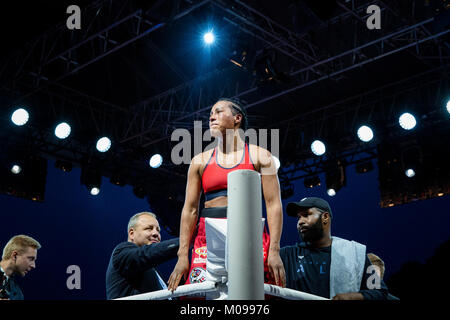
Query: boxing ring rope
[
  {"x": 210, "y": 286},
  {"x": 185, "y": 290},
  {"x": 289, "y": 294},
  {"x": 244, "y": 262}
]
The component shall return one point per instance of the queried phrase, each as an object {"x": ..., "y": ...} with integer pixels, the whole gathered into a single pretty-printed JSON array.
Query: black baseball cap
[{"x": 309, "y": 202}]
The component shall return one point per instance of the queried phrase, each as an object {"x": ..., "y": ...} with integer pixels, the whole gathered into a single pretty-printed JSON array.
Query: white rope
[
  {"x": 185, "y": 290},
  {"x": 209, "y": 286},
  {"x": 289, "y": 294}
]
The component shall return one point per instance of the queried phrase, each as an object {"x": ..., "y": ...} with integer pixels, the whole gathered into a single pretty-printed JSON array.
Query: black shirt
[
  {"x": 308, "y": 270},
  {"x": 131, "y": 269}
]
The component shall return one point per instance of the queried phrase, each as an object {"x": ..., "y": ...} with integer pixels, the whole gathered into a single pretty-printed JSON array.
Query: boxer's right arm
[{"x": 189, "y": 216}]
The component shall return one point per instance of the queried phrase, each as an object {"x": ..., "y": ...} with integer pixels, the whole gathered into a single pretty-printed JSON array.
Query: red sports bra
[{"x": 214, "y": 177}]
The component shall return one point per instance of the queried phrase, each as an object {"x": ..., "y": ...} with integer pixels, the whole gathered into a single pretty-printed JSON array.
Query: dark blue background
[{"x": 76, "y": 228}]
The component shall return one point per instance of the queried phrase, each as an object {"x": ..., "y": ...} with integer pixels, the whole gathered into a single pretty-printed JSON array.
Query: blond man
[{"x": 19, "y": 258}]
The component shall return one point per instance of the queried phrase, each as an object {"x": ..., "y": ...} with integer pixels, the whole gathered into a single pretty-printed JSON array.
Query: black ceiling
[{"x": 330, "y": 74}]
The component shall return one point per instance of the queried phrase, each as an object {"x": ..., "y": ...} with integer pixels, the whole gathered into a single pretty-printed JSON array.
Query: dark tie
[{"x": 4, "y": 286}]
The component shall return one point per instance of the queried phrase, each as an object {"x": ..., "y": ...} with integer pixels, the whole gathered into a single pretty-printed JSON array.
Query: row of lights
[
  {"x": 62, "y": 131},
  {"x": 407, "y": 121}
]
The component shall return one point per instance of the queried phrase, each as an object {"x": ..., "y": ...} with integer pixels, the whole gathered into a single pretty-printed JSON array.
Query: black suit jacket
[{"x": 131, "y": 269}]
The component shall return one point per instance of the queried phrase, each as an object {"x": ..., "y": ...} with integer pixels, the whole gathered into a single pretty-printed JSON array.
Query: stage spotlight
[
  {"x": 318, "y": 148},
  {"x": 20, "y": 117},
  {"x": 365, "y": 134},
  {"x": 364, "y": 167},
  {"x": 208, "y": 37},
  {"x": 118, "y": 179},
  {"x": 311, "y": 182},
  {"x": 335, "y": 177},
  {"x": 62, "y": 130},
  {"x": 407, "y": 121},
  {"x": 448, "y": 106},
  {"x": 140, "y": 191},
  {"x": 103, "y": 144},
  {"x": 155, "y": 161},
  {"x": 92, "y": 179},
  {"x": 63, "y": 165},
  {"x": 410, "y": 173},
  {"x": 16, "y": 169}
]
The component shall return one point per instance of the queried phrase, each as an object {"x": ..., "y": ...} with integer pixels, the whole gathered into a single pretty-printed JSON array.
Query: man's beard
[{"x": 314, "y": 232}]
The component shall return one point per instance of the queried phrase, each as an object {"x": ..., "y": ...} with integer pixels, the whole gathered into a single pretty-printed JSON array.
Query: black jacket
[{"x": 131, "y": 269}]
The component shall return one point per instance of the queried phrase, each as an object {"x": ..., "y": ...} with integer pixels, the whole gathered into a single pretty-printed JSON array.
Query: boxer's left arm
[{"x": 271, "y": 191}]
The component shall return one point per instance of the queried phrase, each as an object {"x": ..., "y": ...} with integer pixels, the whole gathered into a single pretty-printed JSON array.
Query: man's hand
[
  {"x": 349, "y": 296},
  {"x": 181, "y": 270},
  {"x": 276, "y": 268}
]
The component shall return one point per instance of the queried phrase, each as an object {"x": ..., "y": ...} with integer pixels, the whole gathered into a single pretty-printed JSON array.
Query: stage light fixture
[
  {"x": 364, "y": 167},
  {"x": 65, "y": 166},
  {"x": 318, "y": 147},
  {"x": 118, "y": 179},
  {"x": 92, "y": 179},
  {"x": 62, "y": 130},
  {"x": 103, "y": 144},
  {"x": 155, "y": 161},
  {"x": 27, "y": 179},
  {"x": 16, "y": 169},
  {"x": 335, "y": 177},
  {"x": 365, "y": 133},
  {"x": 407, "y": 121},
  {"x": 20, "y": 117},
  {"x": 311, "y": 182},
  {"x": 209, "y": 37},
  {"x": 410, "y": 173},
  {"x": 448, "y": 106}
]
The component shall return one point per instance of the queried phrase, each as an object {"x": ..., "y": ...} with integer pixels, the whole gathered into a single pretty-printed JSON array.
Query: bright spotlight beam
[
  {"x": 156, "y": 161},
  {"x": 103, "y": 144},
  {"x": 20, "y": 117},
  {"x": 208, "y": 37},
  {"x": 410, "y": 173},
  {"x": 62, "y": 130},
  {"x": 365, "y": 134},
  {"x": 16, "y": 169},
  {"x": 407, "y": 121},
  {"x": 318, "y": 147}
]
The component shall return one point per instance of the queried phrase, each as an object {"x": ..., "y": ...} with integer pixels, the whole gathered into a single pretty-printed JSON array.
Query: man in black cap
[{"x": 325, "y": 265}]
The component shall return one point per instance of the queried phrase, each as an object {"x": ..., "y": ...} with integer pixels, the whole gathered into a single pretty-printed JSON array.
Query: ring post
[{"x": 244, "y": 236}]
